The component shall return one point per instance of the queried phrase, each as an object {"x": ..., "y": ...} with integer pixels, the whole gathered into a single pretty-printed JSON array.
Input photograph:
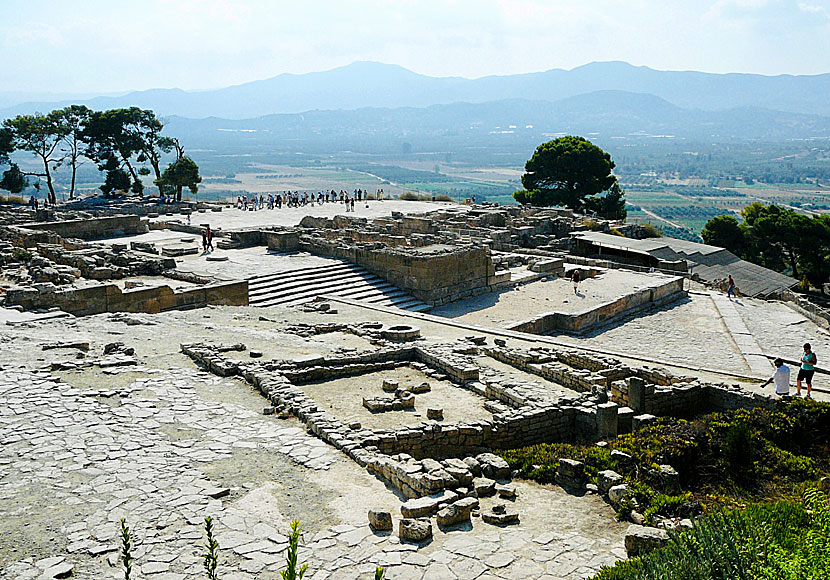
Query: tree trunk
[
  {"x": 133, "y": 174},
  {"x": 793, "y": 262},
  {"x": 72, "y": 184},
  {"x": 178, "y": 193},
  {"x": 53, "y": 199}
]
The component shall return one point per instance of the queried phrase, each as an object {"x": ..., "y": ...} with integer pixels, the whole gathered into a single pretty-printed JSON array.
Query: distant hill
[
  {"x": 513, "y": 123},
  {"x": 371, "y": 84}
]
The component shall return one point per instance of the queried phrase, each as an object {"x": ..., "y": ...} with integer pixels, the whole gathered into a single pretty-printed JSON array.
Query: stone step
[
  {"x": 303, "y": 271},
  {"x": 352, "y": 280},
  {"x": 341, "y": 279},
  {"x": 293, "y": 283},
  {"x": 297, "y": 275}
]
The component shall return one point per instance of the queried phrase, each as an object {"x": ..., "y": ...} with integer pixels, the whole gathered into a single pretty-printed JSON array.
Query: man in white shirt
[{"x": 781, "y": 378}]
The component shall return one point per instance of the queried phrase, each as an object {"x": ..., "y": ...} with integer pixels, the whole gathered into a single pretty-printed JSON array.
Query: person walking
[
  {"x": 209, "y": 239},
  {"x": 575, "y": 279},
  {"x": 730, "y": 287},
  {"x": 781, "y": 378},
  {"x": 805, "y": 373}
]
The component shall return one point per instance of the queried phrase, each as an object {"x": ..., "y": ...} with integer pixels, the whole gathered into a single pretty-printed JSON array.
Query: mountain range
[
  {"x": 376, "y": 85},
  {"x": 508, "y": 125}
]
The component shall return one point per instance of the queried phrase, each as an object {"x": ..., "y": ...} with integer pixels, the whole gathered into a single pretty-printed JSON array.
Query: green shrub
[
  {"x": 21, "y": 255},
  {"x": 738, "y": 449},
  {"x": 651, "y": 231},
  {"x": 13, "y": 199},
  {"x": 727, "y": 545}
]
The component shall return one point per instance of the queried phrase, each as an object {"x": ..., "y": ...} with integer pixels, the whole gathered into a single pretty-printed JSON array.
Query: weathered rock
[
  {"x": 474, "y": 465},
  {"x": 484, "y": 487},
  {"x": 217, "y": 492},
  {"x": 641, "y": 539},
  {"x": 415, "y": 530},
  {"x": 435, "y": 414},
  {"x": 60, "y": 570},
  {"x": 426, "y": 506},
  {"x": 607, "y": 479},
  {"x": 389, "y": 386},
  {"x": 570, "y": 473},
  {"x": 380, "y": 520},
  {"x": 669, "y": 480},
  {"x": 506, "y": 491},
  {"x": 493, "y": 466},
  {"x": 617, "y": 494},
  {"x": 623, "y": 459},
  {"x": 452, "y": 515},
  {"x": 499, "y": 515},
  {"x": 419, "y": 389}
]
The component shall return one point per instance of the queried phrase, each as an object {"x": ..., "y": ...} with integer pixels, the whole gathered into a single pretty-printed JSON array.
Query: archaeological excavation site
[{"x": 445, "y": 391}]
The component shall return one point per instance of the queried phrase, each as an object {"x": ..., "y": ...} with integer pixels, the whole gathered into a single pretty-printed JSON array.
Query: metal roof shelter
[{"x": 710, "y": 263}]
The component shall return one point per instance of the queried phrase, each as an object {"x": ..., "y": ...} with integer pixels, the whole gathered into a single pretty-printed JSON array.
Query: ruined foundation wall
[
  {"x": 110, "y": 298},
  {"x": 434, "y": 274},
  {"x": 94, "y": 228},
  {"x": 605, "y": 313}
]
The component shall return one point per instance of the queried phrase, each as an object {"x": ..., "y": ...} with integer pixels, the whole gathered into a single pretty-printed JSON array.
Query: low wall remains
[
  {"x": 94, "y": 228},
  {"x": 617, "y": 399},
  {"x": 110, "y": 298},
  {"x": 578, "y": 322}
]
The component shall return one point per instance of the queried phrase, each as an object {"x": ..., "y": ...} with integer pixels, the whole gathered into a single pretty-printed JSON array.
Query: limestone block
[
  {"x": 570, "y": 473},
  {"x": 607, "y": 479},
  {"x": 415, "y": 530},
  {"x": 428, "y": 505},
  {"x": 493, "y": 466},
  {"x": 452, "y": 515},
  {"x": 618, "y": 494},
  {"x": 380, "y": 520},
  {"x": 499, "y": 515},
  {"x": 669, "y": 479},
  {"x": 641, "y": 540},
  {"x": 484, "y": 487},
  {"x": 640, "y": 421},
  {"x": 435, "y": 414}
]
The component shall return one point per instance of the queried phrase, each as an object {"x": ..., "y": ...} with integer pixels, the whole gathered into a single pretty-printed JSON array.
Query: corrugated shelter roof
[{"x": 709, "y": 262}]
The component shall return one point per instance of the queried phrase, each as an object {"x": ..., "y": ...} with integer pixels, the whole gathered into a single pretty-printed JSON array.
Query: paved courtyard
[{"x": 164, "y": 444}]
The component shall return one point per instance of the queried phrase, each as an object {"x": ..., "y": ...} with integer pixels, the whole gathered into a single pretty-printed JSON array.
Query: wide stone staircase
[{"x": 340, "y": 279}]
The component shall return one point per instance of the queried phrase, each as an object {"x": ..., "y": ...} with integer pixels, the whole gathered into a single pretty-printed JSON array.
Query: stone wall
[
  {"x": 435, "y": 274},
  {"x": 110, "y": 298},
  {"x": 577, "y": 322},
  {"x": 94, "y": 228},
  {"x": 405, "y": 457}
]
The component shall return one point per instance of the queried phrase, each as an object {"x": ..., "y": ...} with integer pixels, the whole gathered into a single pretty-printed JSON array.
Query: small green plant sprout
[
  {"x": 291, "y": 572},
  {"x": 212, "y": 555},
  {"x": 126, "y": 549},
  {"x": 379, "y": 573}
]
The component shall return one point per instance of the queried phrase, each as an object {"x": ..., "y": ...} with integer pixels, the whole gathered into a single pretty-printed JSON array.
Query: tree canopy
[
  {"x": 14, "y": 180},
  {"x": 566, "y": 171},
  {"x": 180, "y": 174},
  {"x": 124, "y": 144},
  {"x": 778, "y": 238},
  {"x": 41, "y": 136}
]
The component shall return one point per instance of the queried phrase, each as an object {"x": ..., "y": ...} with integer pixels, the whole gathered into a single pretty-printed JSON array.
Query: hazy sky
[{"x": 116, "y": 45}]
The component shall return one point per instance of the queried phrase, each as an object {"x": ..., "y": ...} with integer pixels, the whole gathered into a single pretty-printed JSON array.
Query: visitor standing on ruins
[
  {"x": 781, "y": 378},
  {"x": 575, "y": 279},
  {"x": 204, "y": 242},
  {"x": 730, "y": 287},
  {"x": 808, "y": 362},
  {"x": 209, "y": 239}
]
